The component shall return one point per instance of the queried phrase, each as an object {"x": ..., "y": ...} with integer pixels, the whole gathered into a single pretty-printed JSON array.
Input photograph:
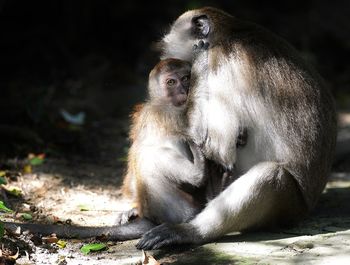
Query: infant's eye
[{"x": 171, "y": 82}]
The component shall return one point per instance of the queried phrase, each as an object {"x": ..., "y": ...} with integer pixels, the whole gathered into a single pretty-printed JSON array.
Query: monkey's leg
[
  {"x": 267, "y": 194},
  {"x": 167, "y": 203}
]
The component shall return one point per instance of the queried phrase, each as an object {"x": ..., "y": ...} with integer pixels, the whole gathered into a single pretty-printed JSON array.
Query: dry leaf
[
  {"x": 15, "y": 191},
  {"x": 148, "y": 259},
  {"x": 61, "y": 244},
  {"x": 18, "y": 231},
  {"x": 50, "y": 239}
]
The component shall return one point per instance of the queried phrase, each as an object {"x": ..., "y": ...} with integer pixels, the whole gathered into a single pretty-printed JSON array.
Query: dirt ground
[{"x": 85, "y": 190}]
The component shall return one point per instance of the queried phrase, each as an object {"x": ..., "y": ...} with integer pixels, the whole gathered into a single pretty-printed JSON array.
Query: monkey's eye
[
  {"x": 171, "y": 82},
  {"x": 185, "y": 78}
]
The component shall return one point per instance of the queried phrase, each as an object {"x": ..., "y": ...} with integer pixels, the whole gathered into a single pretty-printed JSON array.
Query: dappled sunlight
[
  {"x": 294, "y": 249},
  {"x": 58, "y": 198}
]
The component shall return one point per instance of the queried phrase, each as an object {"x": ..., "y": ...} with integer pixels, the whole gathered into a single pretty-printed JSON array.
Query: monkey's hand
[
  {"x": 242, "y": 138},
  {"x": 200, "y": 47},
  {"x": 198, "y": 156},
  {"x": 168, "y": 234},
  {"x": 126, "y": 216}
]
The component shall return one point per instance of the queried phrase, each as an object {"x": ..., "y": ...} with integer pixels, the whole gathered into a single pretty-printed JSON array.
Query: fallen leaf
[
  {"x": 17, "y": 231},
  {"x": 3, "y": 208},
  {"x": 2, "y": 173},
  {"x": 148, "y": 259},
  {"x": 27, "y": 216},
  {"x": 83, "y": 207},
  {"x": 50, "y": 239},
  {"x": 36, "y": 161},
  {"x": 2, "y": 180},
  {"x": 13, "y": 191},
  {"x": 61, "y": 243},
  {"x": 92, "y": 247}
]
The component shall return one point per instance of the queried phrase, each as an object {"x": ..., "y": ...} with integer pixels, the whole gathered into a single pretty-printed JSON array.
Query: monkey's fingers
[
  {"x": 126, "y": 216},
  {"x": 206, "y": 45},
  {"x": 154, "y": 237},
  {"x": 202, "y": 45},
  {"x": 166, "y": 235}
]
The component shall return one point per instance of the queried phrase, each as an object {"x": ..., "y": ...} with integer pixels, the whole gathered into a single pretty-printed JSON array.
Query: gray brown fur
[
  {"x": 250, "y": 78},
  {"x": 162, "y": 160}
]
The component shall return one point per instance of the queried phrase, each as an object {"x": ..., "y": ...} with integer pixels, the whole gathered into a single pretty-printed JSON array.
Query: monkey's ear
[{"x": 200, "y": 26}]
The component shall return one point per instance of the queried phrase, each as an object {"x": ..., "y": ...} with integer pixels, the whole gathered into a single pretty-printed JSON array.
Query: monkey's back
[{"x": 299, "y": 117}]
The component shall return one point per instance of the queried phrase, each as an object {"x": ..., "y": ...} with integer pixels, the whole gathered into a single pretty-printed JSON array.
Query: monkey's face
[
  {"x": 176, "y": 85},
  {"x": 186, "y": 31}
]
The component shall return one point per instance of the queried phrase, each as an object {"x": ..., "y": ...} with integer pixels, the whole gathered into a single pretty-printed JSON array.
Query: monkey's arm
[
  {"x": 180, "y": 169},
  {"x": 132, "y": 230}
]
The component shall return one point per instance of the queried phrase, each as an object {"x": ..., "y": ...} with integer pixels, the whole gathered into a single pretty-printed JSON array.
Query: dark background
[{"x": 94, "y": 57}]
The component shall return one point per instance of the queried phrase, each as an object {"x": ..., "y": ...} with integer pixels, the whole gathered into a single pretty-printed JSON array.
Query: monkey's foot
[
  {"x": 167, "y": 234},
  {"x": 126, "y": 216}
]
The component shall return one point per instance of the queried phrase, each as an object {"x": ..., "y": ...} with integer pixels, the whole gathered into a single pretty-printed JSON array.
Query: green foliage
[
  {"x": 27, "y": 216},
  {"x": 14, "y": 191},
  {"x": 83, "y": 207},
  {"x": 36, "y": 161},
  {"x": 2, "y": 180},
  {"x": 3, "y": 208},
  {"x": 92, "y": 247},
  {"x": 2, "y": 177},
  {"x": 61, "y": 244}
]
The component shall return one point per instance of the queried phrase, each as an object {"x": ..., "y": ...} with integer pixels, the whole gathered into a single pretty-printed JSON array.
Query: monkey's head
[
  {"x": 169, "y": 82},
  {"x": 208, "y": 23}
]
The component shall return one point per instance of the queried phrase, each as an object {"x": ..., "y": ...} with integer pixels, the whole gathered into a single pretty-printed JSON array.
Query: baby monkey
[{"x": 165, "y": 168}]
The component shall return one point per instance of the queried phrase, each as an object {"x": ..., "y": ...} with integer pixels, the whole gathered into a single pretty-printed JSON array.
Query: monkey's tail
[{"x": 132, "y": 230}]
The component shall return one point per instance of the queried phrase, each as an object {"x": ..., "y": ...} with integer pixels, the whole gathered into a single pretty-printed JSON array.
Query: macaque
[
  {"x": 244, "y": 76},
  {"x": 162, "y": 160}
]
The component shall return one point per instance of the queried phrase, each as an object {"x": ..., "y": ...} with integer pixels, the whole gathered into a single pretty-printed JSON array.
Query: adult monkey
[{"x": 250, "y": 78}]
